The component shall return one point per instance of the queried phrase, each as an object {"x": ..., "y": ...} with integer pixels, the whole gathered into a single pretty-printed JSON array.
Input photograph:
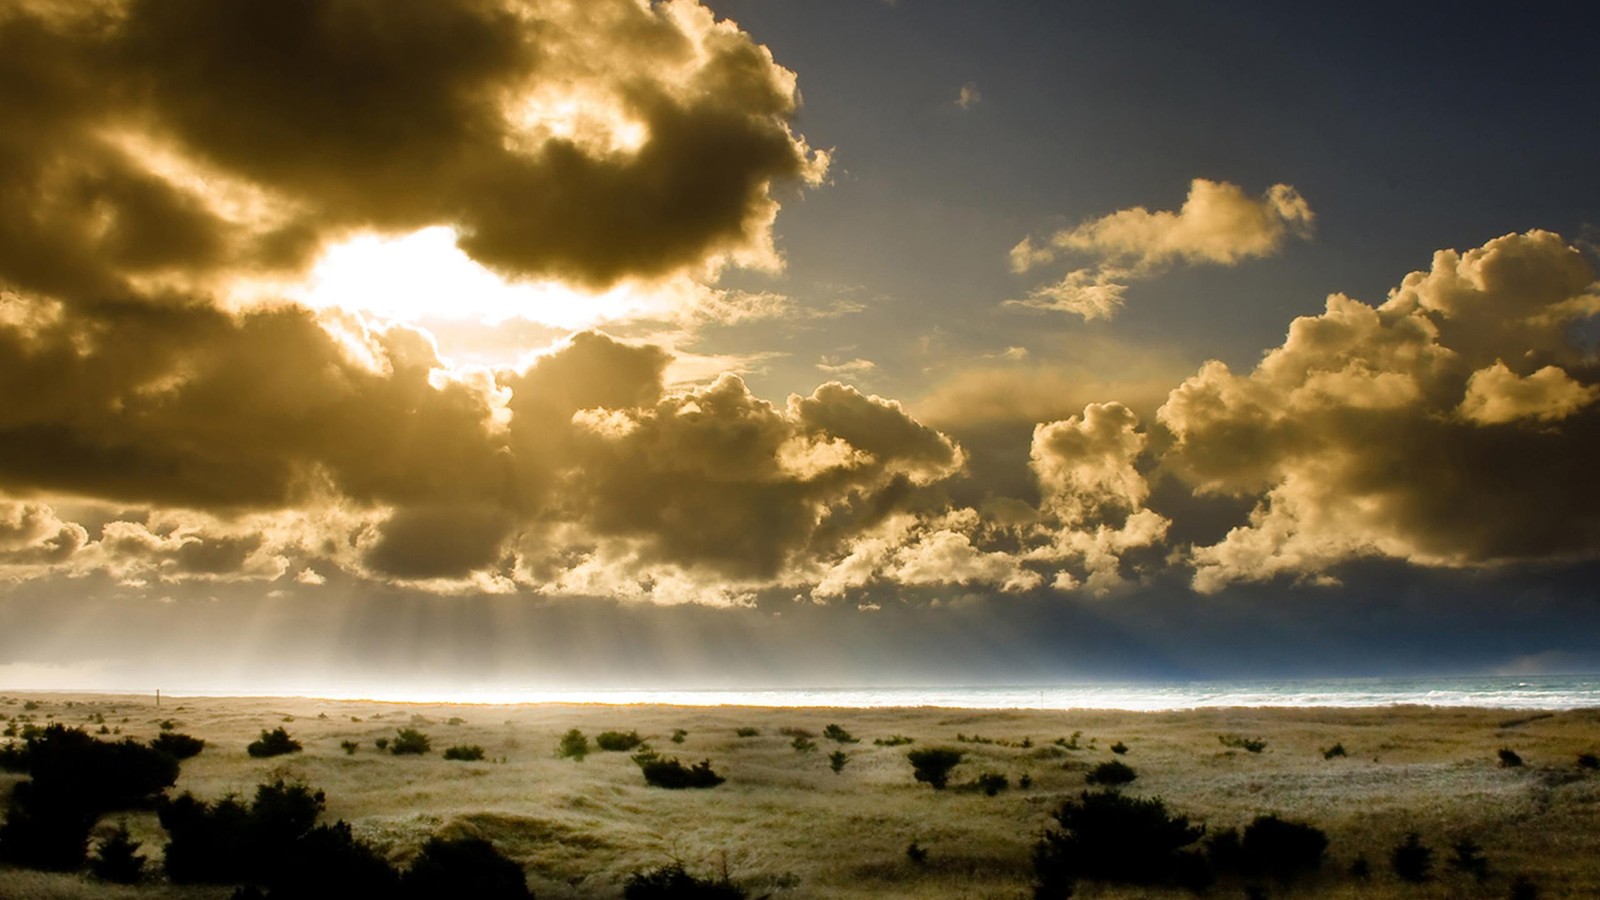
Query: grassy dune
[{"x": 785, "y": 824}]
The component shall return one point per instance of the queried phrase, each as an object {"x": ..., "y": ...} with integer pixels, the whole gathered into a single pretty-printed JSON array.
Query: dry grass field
[{"x": 785, "y": 824}]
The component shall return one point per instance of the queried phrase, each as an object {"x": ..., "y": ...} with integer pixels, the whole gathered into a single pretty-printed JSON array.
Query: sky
[{"x": 493, "y": 344}]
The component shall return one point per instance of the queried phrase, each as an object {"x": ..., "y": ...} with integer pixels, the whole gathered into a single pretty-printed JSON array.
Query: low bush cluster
[
  {"x": 464, "y": 753},
  {"x": 178, "y": 746},
  {"x": 276, "y": 742},
  {"x": 664, "y": 772},
  {"x": 932, "y": 765},
  {"x": 1111, "y": 773},
  {"x": 1108, "y": 836},
  {"x": 573, "y": 745},
  {"x": 673, "y": 882},
  {"x": 74, "y": 778},
  {"x": 410, "y": 742},
  {"x": 618, "y": 741}
]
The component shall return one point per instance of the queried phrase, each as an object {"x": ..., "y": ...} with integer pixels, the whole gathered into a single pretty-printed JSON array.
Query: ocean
[
  {"x": 1538, "y": 692},
  {"x": 1541, "y": 692}
]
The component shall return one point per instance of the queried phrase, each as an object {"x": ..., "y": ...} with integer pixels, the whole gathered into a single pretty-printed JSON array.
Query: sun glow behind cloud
[{"x": 425, "y": 276}]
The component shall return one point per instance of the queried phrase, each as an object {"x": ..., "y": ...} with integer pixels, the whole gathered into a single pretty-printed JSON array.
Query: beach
[{"x": 784, "y": 823}]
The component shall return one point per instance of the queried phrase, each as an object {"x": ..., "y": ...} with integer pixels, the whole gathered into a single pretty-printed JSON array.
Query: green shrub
[
  {"x": 1111, "y": 773},
  {"x": 839, "y": 736},
  {"x": 802, "y": 744},
  {"x": 273, "y": 743},
  {"x": 349, "y": 747},
  {"x": 992, "y": 783},
  {"x": 573, "y": 745},
  {"x": 1412, "y": 860},
  {"x": 410, "y": 742},
  {"x": 747, "y": 732},
  {"x": 669, "y": 773},
  {"x": 674, "y": 883},
  {"x": 464, "y": 753},
  {"x": 178, "y": 746},
  {"x": 932, "y": 765},
  {"x": 617, "y": 741},
  {"x": 1112, "y": 837},
  {"x": 381, "y": 743},
  {"x": 837, "y": 760},
  {"x": 678, "y": 735}
]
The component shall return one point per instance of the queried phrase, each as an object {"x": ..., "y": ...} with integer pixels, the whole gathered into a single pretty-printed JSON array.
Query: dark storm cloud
[{"x": 591, "y": 142}]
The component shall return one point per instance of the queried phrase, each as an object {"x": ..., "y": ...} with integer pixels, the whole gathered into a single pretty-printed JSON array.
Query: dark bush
[
  {"x": 673, "y": 883},
  {"x": 464, "y": 867},
  {"x": 1412, "y": 860},
  {"x": 96, "y": 775},
  {"x": 1588, "y": 761},
  {"x": 410, "y": 742},
  {"x": 464, "y": 753},
  {"x": 617, "y": 741},
  {"x": 669, "y": 773},
  {"x": 678, "y": 735},
  {"x": 42, "y": 831},
  {"x": 1282, "y": 849},
  {"x": 328, "y": 863},
  {"x": 792, "y": 732},
  {"x": 933, "y": 764},
  {"x": 226, "y": 842},
  {"x": 747, "y": 732},
  {"x": 178, "y": 746},
  {"x": 117, "y": 860},
  {"x": 349, "y": 747},
  {"x": 1249, "y": 744},
  {"x": 1523, "y": 888},
  {"x": 1509, "y": 758},
  {"x": 381, "y": 743},
  {"x": 895, "y": 740},
  {"x": 1360, "y": 868},
  {"x": 1467, "y": 858},
  {"x": 916, "y": 853},
  {"x": 839, "y": 736},
  {"x": 1108, "y": 836},
  {"x": 1335, "y": 750},
  {"x": 276, "y": 742},
  {"x": 573, "y": 745},
  {"x": 992, "y": 783},
  {"x": 803, "y": 744},
  {"x": 837, "y": 760},
  {"x": 1119, "y": 748},
  {"x": 1111, "y": 774},
  {"x": 14, "y": 757}
]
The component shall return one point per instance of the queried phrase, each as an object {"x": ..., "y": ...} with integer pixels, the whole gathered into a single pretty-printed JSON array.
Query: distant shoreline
[{"x": 1551, "y": 693}]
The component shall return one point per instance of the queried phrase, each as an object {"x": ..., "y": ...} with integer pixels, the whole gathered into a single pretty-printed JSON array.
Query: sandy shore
[{"x": 785, "y": 823}]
